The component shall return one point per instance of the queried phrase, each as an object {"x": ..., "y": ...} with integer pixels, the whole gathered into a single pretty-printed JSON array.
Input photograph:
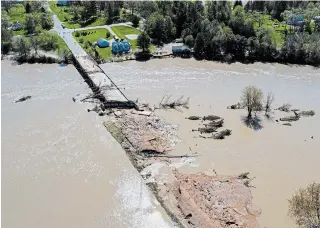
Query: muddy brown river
[
  {"x": 60, "y": 167},
  {"x": 281, "y": 159}
]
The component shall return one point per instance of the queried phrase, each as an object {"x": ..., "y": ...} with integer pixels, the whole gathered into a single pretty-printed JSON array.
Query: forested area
[
  {"x": 216, "y": 30},
  {"x": 230, "y": 31}
]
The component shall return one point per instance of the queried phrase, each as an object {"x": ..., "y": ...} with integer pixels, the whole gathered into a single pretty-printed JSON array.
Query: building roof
[
  {"x": 122, "y": 46},
  {"x": 180, "y": 49}
]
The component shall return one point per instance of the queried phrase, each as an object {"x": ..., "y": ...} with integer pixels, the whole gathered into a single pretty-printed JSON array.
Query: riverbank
[{"x": 274, "y": 154}]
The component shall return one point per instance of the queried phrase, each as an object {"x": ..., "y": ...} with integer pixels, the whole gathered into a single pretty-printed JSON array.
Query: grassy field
[
  {"x": 66, "y": 18},
  {"x": 267, "y": 21},
  {"x": 121, "y": 31},
  {"x": 18, "y": 13},
  {"x": 94, "y": 35}
]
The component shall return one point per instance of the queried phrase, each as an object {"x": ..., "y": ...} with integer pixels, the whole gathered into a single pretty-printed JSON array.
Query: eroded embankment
[{"x": 192, "y": 200}]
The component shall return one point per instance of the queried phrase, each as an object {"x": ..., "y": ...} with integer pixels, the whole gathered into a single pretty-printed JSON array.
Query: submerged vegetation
[{"x": 304, "y": 206}]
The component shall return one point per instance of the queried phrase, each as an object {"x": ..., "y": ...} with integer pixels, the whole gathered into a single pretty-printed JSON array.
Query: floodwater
[
  {"x": 60, "y": 167},
  {"x": 281, "y": 159}
]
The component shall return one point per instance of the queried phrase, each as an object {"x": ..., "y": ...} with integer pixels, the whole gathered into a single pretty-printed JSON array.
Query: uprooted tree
[
  {"x": 252, "y": 99},
  {"x": 304, "y": 206}
]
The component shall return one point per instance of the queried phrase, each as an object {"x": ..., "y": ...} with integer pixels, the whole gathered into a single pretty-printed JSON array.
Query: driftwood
[
  {"x": 206, "y": 129},
  {"x": 24, "y": 98},
  {"x": 285, "y": 107},
  {"x": 307, "y": 113},
  {"x": 244, "y": 175},
  {"x": 211, "y": 117},
  {"x": 166, "y": 102},
  {"x": 290, "y": 118},
  {"x": 287, "y": 124},
  {"x": 222, "y": 134},
  {"x": 193, "y": 118},
  {"x": 235, "y": 106},
  {"x": 218, "y": 123}
]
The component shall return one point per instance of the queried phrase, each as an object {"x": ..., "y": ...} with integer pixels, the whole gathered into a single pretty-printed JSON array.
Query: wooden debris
[
  {"x": 218, "y": 123},
  {"x": 235, "y": 106},
  {"x": 222, "y": 134},
  {"x": 24, "y": 98},
  {"x": 211, "y": 117},
  {"x": 287, "y": 124},
  {"x": 143, "y": 113},
  {"x": 193, "y": 118},
  {"x": 285, "y": 107},
  {"x": 290, "y": 118},
  {"x": 207, "y": 129},
  {"x": 307, "y": 113}
]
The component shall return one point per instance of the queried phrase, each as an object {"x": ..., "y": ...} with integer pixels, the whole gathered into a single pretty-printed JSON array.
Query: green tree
[
  {"x": 22, "y": 45},
  {"x": 189, "y": 40},
  {"x": 156, "y": 27},
  {"x": 223, "y": 11},
  {"x": 31, "y": 23},
  {"x": 46, "y": 21},
  {"x": 28, "y": 7},
  {"x": 199, "y": 45},
  {"x": 48, "y": 41},
  {"x": 34, "y": 44},
  {"x": 143, "y": 41},
  {"x": 252, "y": 99},
  {"x": 146, "y": 8},
  {"x": 135, "y": 21},
  {"x": 6, "y": 34},
  {"x": 304, "y": 206}
]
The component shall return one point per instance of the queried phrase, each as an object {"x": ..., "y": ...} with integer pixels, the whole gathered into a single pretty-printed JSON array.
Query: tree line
[{"x": 229, "y": 31}]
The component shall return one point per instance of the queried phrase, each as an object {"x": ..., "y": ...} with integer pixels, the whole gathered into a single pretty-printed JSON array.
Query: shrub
[
  {"x": 304, "y": 206},
  {"x": 108, "y": 34},
  {"x": 81, "y": 40},
  {"x": 77, "y": 34}
]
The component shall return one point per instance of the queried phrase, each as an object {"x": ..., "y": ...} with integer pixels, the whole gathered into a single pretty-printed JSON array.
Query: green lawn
[
  {"x": 18, "y": 13},
  {"x": 121, "y": 31},
  {"x": 66, "y": 18},
  {"x": 94, "y": 35},
  {"x": 267, "y": 21}
]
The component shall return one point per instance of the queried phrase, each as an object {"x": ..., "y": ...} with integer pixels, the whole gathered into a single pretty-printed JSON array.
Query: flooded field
[
  {"x": 282, "y": 159},
  {"x": 60, "y": 167}
]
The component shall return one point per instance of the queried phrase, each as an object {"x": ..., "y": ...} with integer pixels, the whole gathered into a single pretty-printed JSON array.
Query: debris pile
[
  {"x": 214, "y": 201},
  {"x": 215, "y": 122}
]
